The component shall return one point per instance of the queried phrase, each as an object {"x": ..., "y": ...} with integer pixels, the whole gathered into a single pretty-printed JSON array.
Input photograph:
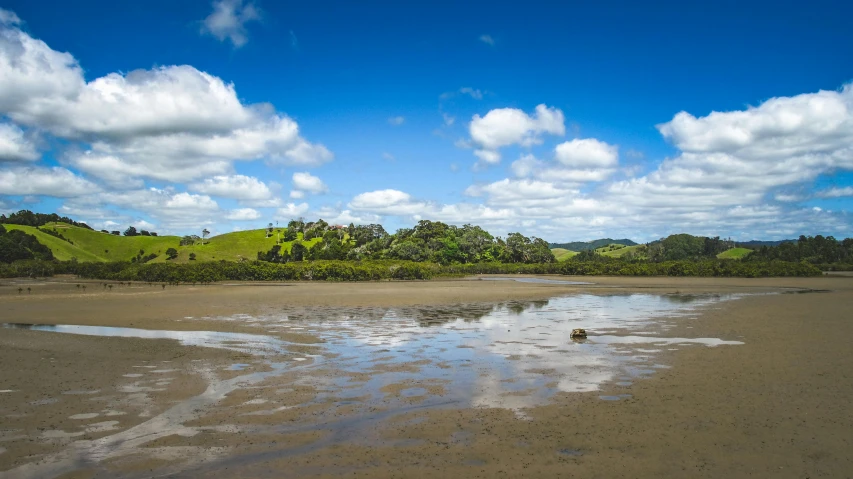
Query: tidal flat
[{"x": 678, "y": 377}]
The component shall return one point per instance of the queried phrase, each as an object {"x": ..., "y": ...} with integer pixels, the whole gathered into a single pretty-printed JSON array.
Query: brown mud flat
[{"x": 87, "y": 406}]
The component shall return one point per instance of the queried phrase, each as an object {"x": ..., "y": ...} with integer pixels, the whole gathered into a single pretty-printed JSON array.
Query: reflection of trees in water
[
  {"x": 440, "y": 314},
  {"x": 335, "y": 313},
  {"x": 468, "y": 312},
  {"x": 423, "y": 315},
  {"x": 518, "y": 307},
  {"x": 689, "y": 298}
]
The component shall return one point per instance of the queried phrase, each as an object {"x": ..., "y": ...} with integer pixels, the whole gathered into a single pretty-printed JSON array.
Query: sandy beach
[{"x": 771, "y": 400}]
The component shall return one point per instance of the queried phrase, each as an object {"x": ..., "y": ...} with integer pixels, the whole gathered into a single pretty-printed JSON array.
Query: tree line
[
  {"x": 825, "y": 251},
  {"x": 375, "y": 270},
  {"x": 28, "y": 218},
  {"x": 428, "y": 241},
  {"x": 131, "y": 231}
]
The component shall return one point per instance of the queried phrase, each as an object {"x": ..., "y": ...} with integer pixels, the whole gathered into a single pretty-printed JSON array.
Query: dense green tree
[
  {"x": 475, "y": 244},
  {"x": 275, "y": 255},
  {"x": 296, "y": 225},
  {"x": 16, "y": 245},
  {"x": 409, "y": 250},
  {"x": 298, "y": 251},
  {"x": 290, "y": 234},
  {"x": 516, "y": 248},
  {"x": 539, "y": 252},
  {"x": 189, "y": 240},
  {"x": 430, "y": 230},
  {"x": 446, "y": 251},
  {"x": 315, "y": 230},
  {"x": 364, "y": 234}
]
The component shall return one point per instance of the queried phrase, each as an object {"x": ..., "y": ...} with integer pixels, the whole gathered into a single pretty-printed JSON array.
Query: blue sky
[{"x": 568, "y": 122}]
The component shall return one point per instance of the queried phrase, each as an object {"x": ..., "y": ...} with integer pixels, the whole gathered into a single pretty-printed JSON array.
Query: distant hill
[
  {"x": 563, "y": 254},
  {"x": 734, "y": 253},
  {"x": 759, "y": 243},
  {"x": 90, "y": 245},
  {"x": 28, "y": 218},
  {"x": 594, "y": 244},
  {"x": 617, "y": 250}
]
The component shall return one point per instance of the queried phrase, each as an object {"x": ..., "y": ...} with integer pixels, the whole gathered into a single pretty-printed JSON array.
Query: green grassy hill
[
  {"x": 61, "y": 250},
  {"x": 90, "y": 245},
  {"x": 734, "y": 253},
  {"x": 594, "y": 244},
  {"x": 235, "y": 246},
  {"x": 610, "y": 249},
  {"x": 619, "y": 250},
  {"x": 563, "y": 254}
]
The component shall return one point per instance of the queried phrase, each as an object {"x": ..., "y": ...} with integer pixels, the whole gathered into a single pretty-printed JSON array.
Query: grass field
[
  {"x": 612, "y": 250},
  {"x": 563, "y": 254},
  {"x": 617, "y": 251},
  {"x": 734, "y": 253},
  {"x": 92, "y": 245},
  {"x": 235, "y": 246},
  {"x": 89, "y": 245}
]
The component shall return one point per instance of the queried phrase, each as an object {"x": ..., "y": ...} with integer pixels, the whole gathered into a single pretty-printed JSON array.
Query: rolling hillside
[
  {"x": 563, "y": 254},
  {"x": 89, "y": 245},
  {"x": 594, "y": 244},
  {"x": 236, "y": 246},
  {"x": 734, "y": 253},
  {"x": 613, "y": 250},
  {"x": 619, "y": 250},
  {"x": 755, "y": 244}
]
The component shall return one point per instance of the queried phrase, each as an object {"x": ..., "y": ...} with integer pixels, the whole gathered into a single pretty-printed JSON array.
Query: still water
[{"x": 511, "y": 355}]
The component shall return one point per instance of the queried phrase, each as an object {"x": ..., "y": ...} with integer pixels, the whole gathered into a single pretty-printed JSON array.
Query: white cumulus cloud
[
  {"x": 175, "y": 211},
  {"x": 387, "y": 202},
  {"x": 228, "y": 21},
  {"x": 292, "y": 211},
  {"x": 836, "y": 192},
  {"x": 510, "y": 126},
  {"x": 238, "y": 187},
  {"x": 8, "y": 17},
  {"x": 14, "y": 144},
  {"x": 575, "y": 161},
  {"x": 398, "y": 203},
  {"x": 243, "y": 214},
  {"x": 586, "y": 153},
  {"x": 306, "y": 182},
  {"x": 169, "y": 123},
  {"x": 489, "y": 157},
  {"x": 56, "y": 182}
]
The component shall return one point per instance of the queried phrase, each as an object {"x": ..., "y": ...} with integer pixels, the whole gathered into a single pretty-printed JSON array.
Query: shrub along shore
[{"x": 208, "y": 272}]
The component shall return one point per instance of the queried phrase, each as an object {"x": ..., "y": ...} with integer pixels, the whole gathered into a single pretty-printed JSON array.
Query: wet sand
[{"x": 776, "y": 406}]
